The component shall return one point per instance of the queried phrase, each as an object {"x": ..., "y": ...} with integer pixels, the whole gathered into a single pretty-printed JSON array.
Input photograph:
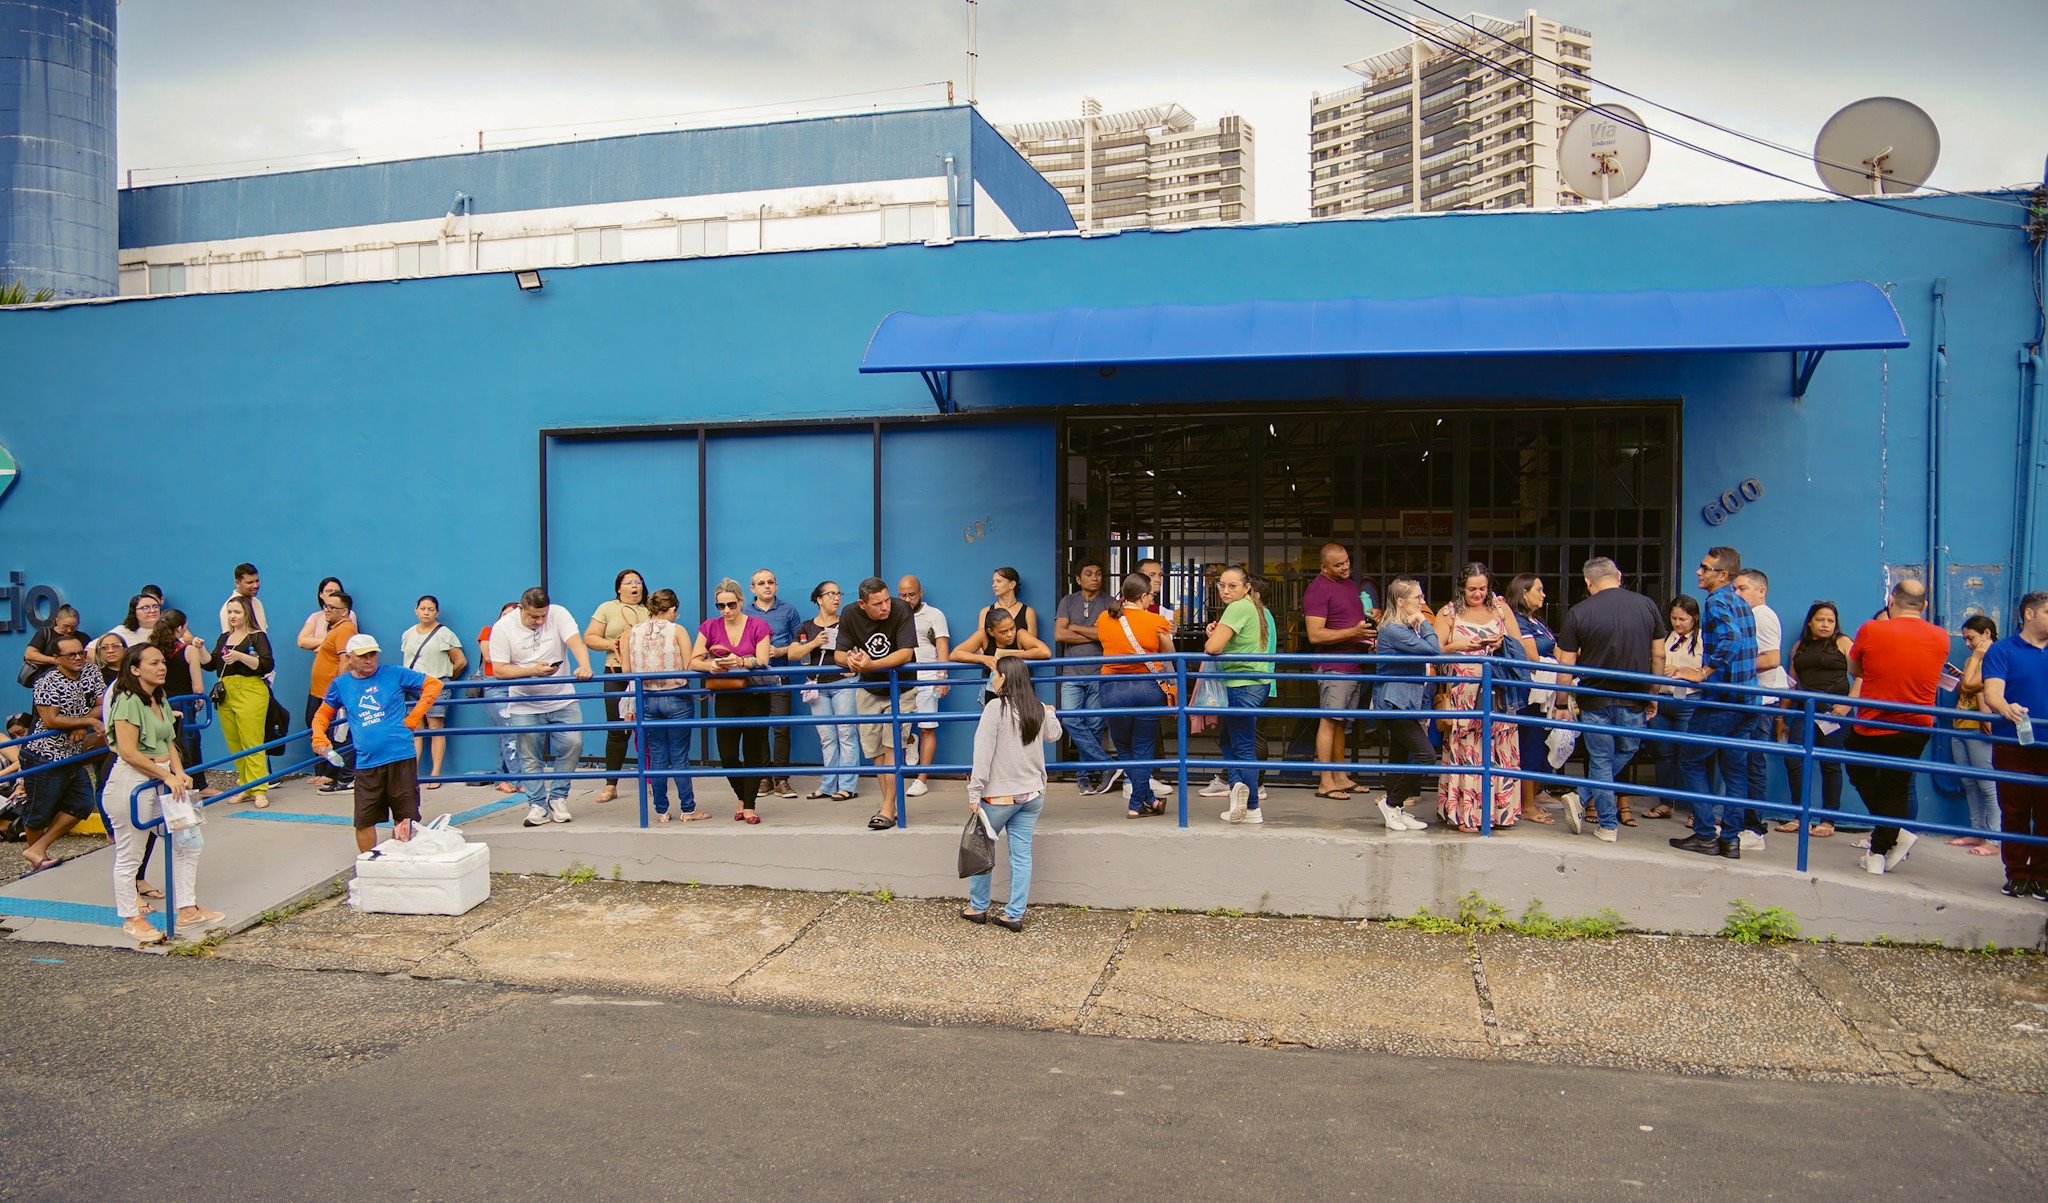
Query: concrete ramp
[{"x": 254, "y": 861}]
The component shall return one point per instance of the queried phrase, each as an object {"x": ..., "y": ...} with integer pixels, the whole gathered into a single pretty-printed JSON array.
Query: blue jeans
[
  {"x": 1135, "y": 735},
  {"x": 1607, "y": 755},
  {"x": 1086, "y": 732},
  {"x": 1831, "y": 770},
  {"x": 1671, "y": 716},
  {"x": 1241, "y": 734},
  {"x": 1695, "y": 761},
  {"x": 1020, "y": 820},
  {"x": 669, "y": 748},
  {"x": 1982, "y": 795},
  {"x": 1763, "y": 728},
  {"x": 838, "y": 744},
  {"x": 491, "y": 716},
  {"x": 535, "y": 745}
]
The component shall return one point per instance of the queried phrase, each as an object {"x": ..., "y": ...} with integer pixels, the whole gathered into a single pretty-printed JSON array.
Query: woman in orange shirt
[{"x": 1127, "y": 628}]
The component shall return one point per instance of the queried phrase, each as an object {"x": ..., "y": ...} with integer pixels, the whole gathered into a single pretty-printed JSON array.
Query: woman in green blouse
[{"x": 147, "y": 755}]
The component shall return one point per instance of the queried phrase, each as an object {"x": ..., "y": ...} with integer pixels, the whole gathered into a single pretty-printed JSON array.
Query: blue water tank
[{"x": 58, "y": 222}]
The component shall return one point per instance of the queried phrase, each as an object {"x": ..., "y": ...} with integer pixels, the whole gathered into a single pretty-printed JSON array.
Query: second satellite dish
[
  {"x": 1604, "y": 152},
  {"x": 1882, "y": 146}
]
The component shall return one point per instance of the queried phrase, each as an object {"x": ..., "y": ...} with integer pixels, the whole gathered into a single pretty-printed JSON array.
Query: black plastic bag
[{"x": 977, "y": 846}]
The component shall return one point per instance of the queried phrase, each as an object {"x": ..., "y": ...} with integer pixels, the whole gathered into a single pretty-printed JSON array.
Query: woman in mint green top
[
  {"x": 147, "y": 759},
  {"x": 1244, "y": 630}
]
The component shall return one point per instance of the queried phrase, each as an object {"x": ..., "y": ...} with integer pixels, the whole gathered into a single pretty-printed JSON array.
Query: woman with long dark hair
[
  {"x": 659, "y": 645},
  {"x": 1979, "y": 633},
  {"x": 1682, "y": 651},
  {"x": 1007, "y": 783},
  {"x": 314, "y": 632},
  {"x": 148, "y": 756},
  {"x": 838, "y": 743},
  {"x": 1526, "y": 597},
  {"x": 186, "y": 660},
  {"x": 143, "y": 611},
  {"x": 1129, "y": 627},
  {"x": 608, "y": 626},
  {"x": 1476, "y": 625},
  {"x": 1820, "y": 663}
]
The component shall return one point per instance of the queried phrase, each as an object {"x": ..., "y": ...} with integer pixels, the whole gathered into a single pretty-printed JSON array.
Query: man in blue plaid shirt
[{"x": 1728, "y": 657}]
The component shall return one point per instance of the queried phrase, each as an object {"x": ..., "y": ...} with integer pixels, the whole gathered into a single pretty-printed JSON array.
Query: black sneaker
[
  {"x": 335, "y": 787},
  {"x": 1732, "y": 849},
  {"x": 1705, "y": 845},
  {"x": 2017, "y": 889}
]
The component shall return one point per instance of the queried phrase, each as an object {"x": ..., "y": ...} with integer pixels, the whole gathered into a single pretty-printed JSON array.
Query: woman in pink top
[{"x": 728, "y": 646}]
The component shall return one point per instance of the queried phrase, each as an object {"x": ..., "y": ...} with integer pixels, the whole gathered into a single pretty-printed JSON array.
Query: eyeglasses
[
  {"x": 1709, "y": 568},
  {"x": 830, "y": 593},
  {"x": 79, "y": 652},
  {"x": 728, "y": 605}
]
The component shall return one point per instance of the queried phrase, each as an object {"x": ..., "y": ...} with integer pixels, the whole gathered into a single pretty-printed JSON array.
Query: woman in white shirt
[
  {"x": 431, "y": 648},
  {"x": 1682, "y": 650},
  {"x": 1007, "y": 784}
]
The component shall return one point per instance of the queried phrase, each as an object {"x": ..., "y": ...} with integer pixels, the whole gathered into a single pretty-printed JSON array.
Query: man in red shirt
[
  {"x": 1896, "y": 658},
  {"x": 1337, "y": 625}
]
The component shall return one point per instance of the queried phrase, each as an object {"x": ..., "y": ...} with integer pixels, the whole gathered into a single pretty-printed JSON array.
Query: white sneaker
[
  {"x": 536, "y": 816},
  {"x": 1255, "y": 816},
  {"x": 1413, "y": 823},
  {"x": 1240, "y": 798},
  {"x": 1575, "y": 814},
  {"x": 1862, "y": 842},
  {"x": 1570, "y": 798},
  {"x": 1750, "y": 841},
  {"x": 1873, "y": 863},
  {"x": 1899, "y": 850},
  {"x": 916, "y": 788},
  {"x": 1262, "y": 795},
  {"x": 1393, "y": 817},
  {"x": 1606, "y": 835},
  {"x": 1218, "y": 788},
  {"x": 558, "y": 811}
]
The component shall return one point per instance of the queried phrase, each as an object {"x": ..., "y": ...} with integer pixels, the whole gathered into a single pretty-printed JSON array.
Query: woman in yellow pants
[{"x": 244, "y": 657}]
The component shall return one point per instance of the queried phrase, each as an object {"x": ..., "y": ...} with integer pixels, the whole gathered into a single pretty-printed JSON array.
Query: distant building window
[
  {"x": 165, "y": 278},
  {"x": 700, "y": 237},
  {"x": 419, "y": 259},
  {"x": 908, "y": 223},
  {"x": 324, "y": 267},
  {"x": 600, "y": 244}
]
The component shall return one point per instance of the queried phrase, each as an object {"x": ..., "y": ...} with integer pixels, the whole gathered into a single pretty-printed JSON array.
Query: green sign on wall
[{"x": 7, "y": 471}]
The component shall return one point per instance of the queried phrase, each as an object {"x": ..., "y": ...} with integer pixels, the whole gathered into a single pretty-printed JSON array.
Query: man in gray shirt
[{"x": 1074, "y": 633}]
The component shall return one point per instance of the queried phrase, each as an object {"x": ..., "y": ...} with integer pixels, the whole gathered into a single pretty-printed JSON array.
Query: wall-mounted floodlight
[{"x": 528, "y": 281}]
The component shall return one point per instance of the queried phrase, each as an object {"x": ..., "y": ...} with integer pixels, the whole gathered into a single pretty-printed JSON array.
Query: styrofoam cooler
[{"x": 448, "y": 883}]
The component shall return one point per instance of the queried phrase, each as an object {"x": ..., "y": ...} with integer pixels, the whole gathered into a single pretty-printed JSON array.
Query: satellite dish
[
  {"x": 1882, "y": 146},
  {"x": 1604, "y": 152}
]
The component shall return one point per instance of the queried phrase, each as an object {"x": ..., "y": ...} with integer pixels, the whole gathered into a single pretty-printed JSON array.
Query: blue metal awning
[{"x": 1807, "y": 321}]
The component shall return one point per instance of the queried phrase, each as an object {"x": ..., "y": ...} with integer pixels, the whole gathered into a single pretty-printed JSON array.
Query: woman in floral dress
[{"x": 1475, "y": 625}]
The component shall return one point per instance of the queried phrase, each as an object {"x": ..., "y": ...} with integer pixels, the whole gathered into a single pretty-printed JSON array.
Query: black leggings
[
  {"x": 618, "y": 739},
  {"x": 742, "y": 747},
  {"x": 1409, "y": 743}
]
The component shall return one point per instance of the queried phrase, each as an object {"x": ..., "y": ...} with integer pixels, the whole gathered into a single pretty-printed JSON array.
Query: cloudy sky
[{"x": 212, "y": 87}]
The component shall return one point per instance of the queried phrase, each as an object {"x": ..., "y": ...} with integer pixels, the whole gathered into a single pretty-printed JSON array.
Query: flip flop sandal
[
  {"x": 880, "y": 822},
  {"x": 1537, "y": 815},
  {"x": 1657, "y": 812},
  {"x": 843, "y": 796},
  {"x": 148, "y": 891},
  {"x": 35, "y": 868},
  {"x": 1623, "y": 816},
  {"x": 815, "y": 795},
  {"x": 1335, "y": 795}
]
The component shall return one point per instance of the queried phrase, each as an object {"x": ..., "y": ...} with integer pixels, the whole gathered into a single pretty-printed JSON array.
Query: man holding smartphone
[{"x": 534, "y": 641}]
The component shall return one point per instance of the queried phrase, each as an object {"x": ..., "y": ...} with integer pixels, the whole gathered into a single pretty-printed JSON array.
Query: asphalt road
[{"x": 140, "y": 1077}]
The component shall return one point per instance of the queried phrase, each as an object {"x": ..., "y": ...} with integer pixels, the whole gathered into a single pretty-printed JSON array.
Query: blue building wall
[
  {"x": 700, "y": 162},
  {"x": 57, "y": 227},
  {"x": 386, "y": 432}
]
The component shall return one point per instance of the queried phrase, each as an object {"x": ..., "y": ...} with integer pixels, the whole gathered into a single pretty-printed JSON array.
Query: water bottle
[{"x": 2024, "y": 727}]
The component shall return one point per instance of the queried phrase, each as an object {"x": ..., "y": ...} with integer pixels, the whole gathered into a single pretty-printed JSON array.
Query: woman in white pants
[{"x": 147, "y": 755}]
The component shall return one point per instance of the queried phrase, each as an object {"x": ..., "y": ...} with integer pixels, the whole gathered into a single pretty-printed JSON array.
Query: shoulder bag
[
  {"x": 1170, "y": 688},
  {"x": 411, "y": 694}
]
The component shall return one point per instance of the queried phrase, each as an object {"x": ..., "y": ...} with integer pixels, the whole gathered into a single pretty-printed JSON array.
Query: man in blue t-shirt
[
  {"x": 2016, "y": 690},
  {"x": 387, "y": 763}
]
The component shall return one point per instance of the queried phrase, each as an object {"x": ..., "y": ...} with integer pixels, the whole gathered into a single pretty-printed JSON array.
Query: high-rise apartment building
[
  {"x": 1147, "y": 167},
  {"x": 1435, "y": 128}
]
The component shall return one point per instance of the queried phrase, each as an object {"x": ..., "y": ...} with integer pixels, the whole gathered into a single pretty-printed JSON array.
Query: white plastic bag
[
  {"x": 179, "y": 813},
  {"x": 1560, "y": 743},
  {"x": 436, "y": 837},
  {"x": 1539, "y": 697}
]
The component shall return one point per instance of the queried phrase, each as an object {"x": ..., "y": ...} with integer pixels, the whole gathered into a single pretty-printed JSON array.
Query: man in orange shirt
[
  {"x": 326, "y": 664},
  {"x": 1895, "y": 658}
]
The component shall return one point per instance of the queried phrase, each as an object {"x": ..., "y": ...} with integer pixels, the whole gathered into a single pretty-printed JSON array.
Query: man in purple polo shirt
[{"x": 1338, "y": 625}]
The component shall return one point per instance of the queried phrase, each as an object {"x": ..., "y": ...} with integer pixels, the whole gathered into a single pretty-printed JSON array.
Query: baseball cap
[{"x": 360, "y": 644}]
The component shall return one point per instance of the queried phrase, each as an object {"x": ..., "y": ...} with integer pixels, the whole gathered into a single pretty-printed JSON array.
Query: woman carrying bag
[
  {"x": 241, "y": 697},
  {"x": 1127, "y": 628},
  {"x": 144, "y": 741},
  {"x": 1007, "y": 783},
  {"x": 728, "y": 647}
]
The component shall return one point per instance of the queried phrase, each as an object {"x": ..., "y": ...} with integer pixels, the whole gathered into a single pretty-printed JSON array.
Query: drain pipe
[
  {"x": 952, "y": 199},
  {"x": 1937, "y": 431},
  {"x": 2030, "y": 464}
]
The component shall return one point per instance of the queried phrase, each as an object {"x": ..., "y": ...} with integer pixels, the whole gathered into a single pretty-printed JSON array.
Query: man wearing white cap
[{"x": 372, "y": 695}]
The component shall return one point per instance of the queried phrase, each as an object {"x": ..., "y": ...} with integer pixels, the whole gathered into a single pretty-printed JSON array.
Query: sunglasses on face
[{"x": 728, "y": 605}]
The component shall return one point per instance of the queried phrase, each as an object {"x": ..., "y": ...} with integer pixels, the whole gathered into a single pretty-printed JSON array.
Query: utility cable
[
  {"x": 1421, "y": 33},
  {"x": 1714, "y": 125}
]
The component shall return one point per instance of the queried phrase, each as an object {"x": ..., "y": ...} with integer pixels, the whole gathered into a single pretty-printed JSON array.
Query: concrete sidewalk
[{"x": 1907, "y": 1016}]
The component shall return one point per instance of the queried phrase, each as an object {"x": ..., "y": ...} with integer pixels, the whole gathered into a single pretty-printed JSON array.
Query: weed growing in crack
[
  {"x": 1478, "y": 915},
  {"x": 1749, "y": 924},
  {"x": 578, "y": 873}
]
